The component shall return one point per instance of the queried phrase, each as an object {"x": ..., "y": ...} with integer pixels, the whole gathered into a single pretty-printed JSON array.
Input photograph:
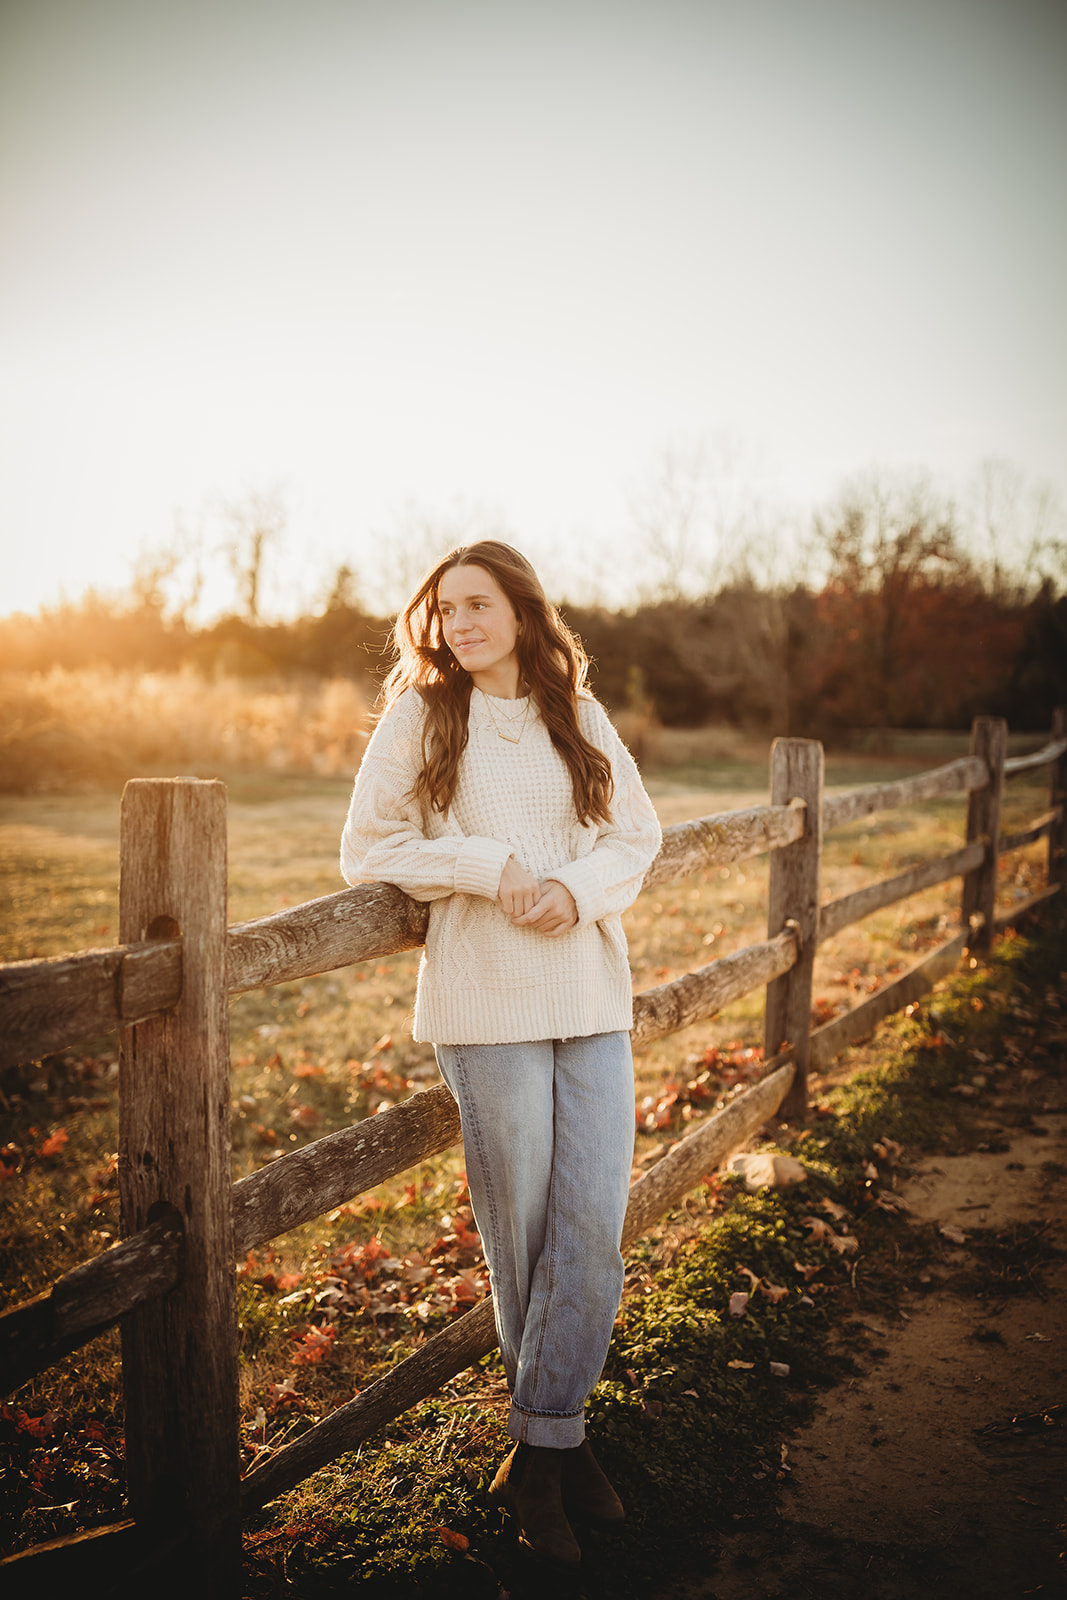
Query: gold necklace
[{"x": 512, "y": 738}]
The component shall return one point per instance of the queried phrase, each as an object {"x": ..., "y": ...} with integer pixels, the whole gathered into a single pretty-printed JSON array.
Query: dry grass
[{"x": 101, "y": 726}]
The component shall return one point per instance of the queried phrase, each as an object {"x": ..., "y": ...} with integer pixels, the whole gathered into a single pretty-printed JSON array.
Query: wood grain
[
  {"x": 179, "y": 1353},
  {"x": 702, "y": 993},
  {"x": 48, "y": 1004},
  {"x": 89, "y": 1299},
  {"x": 722, "y": 837},
  {"x": 989, "y": 741},
  {"x": 793, "y": 902},
  {"x": 325, "y": 1174},
  {"x": 969, "y": 772},
  {"x": 851, "y": 908}
]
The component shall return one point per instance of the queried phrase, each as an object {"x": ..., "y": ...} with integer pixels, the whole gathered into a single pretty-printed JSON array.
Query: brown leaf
[
  {"x": 772, "y": 1291},
  {"x": 452, "y": 1540}
]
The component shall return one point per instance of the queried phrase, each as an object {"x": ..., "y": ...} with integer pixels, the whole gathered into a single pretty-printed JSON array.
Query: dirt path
[{"x": 941, "y": 1470}]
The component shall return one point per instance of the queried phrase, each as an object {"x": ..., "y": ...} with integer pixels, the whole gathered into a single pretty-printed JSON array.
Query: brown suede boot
[
  {"x": 527, "y": 1485},
  {"x": 586, "y": 1491}
]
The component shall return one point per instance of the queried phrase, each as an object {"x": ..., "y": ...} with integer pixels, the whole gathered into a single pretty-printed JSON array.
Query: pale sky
[{"x": 405, "y": 257}]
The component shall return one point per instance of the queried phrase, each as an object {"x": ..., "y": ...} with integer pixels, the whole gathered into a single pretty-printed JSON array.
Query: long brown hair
[{"x": 552, "y": 664}]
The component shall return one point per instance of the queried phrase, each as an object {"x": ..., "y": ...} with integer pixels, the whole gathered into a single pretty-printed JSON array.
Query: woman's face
[{"x": 480, "y": 628}]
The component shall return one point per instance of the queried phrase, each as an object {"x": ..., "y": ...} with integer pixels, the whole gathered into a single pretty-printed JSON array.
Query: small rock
[{"x": 765, "y": 1170}]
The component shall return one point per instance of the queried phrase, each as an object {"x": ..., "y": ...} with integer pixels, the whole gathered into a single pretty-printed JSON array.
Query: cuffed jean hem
[{"x": 546, "y": 1432}]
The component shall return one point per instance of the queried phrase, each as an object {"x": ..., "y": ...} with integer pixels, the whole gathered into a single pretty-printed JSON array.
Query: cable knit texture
[{"x": 481, "y": 980}]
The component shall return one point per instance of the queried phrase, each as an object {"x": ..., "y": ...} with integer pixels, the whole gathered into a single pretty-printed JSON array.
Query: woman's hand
[
  {"x": 555, "y": 911},
  {"x": 519, "y": 891}
]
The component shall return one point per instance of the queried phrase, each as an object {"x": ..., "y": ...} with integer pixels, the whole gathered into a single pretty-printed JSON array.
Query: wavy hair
[{"x": 552, "y": 666}]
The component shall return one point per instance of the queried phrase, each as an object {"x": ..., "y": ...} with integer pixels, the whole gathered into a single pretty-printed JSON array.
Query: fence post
[
  {"x": 989, "y": 740},
  {"x": 1057, "y": 835},
  {"x": 793, "y": 898},
  {"x": 180, "y": 1352}
]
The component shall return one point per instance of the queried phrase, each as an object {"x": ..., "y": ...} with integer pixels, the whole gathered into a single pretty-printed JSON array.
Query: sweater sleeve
[
  {"x": 608, "y": 879},
  {"x": 383, "y": 838}
]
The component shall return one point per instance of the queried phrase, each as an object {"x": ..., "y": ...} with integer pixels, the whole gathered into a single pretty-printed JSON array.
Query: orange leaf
[
  {"x": 315, "y": 1346},
  {"x": 54, "y": 1143},
  {"x": 453, "y": 1540}
]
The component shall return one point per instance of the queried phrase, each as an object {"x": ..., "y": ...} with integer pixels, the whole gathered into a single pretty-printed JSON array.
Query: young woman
[{"x": 496, "y": 788}]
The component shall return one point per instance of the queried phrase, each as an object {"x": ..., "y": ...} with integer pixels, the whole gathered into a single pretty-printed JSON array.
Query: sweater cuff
[
  {"x": 479, "y": 865},
  {"x": 580, "y": 877}
]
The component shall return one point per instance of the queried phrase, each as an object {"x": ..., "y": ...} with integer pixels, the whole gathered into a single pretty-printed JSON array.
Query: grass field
[{"x": 313, "y": 1056}]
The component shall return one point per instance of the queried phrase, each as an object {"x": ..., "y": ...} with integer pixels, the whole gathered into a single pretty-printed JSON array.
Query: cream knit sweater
[{"x": 481, "y": 980}]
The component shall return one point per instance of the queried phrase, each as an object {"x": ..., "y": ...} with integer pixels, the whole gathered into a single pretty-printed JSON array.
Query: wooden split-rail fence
[{"x": 166, "y": 986}]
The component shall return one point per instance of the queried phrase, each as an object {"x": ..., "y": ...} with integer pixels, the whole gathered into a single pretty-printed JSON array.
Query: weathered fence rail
[{"x": 170, "y": 1280}]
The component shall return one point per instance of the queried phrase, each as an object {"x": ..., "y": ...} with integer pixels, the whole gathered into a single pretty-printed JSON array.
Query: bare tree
[
  {"x": 417, "y": 541},
  {"x": 255, "y": 524},
  {"x": 672, "y": 514},
  {"x": 1019, "y": 530},
  {"x": 704, "y": 519},
  {"x": 170, "y": 578}
]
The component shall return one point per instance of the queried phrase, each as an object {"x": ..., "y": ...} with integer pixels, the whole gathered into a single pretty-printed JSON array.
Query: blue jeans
[{"x": 548, "y": 1136}]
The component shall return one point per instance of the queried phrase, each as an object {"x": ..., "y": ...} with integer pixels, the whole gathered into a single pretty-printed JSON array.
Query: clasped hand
[{"x": 548, "y": 907}]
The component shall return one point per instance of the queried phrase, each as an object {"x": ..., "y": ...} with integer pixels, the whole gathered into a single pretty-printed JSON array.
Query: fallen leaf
[
  {"x": 772, "y": 1291},
  {"x": 739, "y": 1304},
  {"x": 951, "y": 1232},
  {"x": 308, "y": 1069},
  {"x": 779, "y": 1369},
  {"x": 315, "y": 1346},
  {"x": 451, "y": 1539},
  {"x": 743, "y": 1366},
  {"x": 284, "y": 1396}
]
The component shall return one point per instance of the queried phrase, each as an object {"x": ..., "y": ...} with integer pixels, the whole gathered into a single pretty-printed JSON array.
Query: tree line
[{"x": 896, "y": 624}]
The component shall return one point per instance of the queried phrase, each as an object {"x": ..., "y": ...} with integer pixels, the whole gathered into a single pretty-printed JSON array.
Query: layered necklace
[{"x": 502, "y": 732}]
